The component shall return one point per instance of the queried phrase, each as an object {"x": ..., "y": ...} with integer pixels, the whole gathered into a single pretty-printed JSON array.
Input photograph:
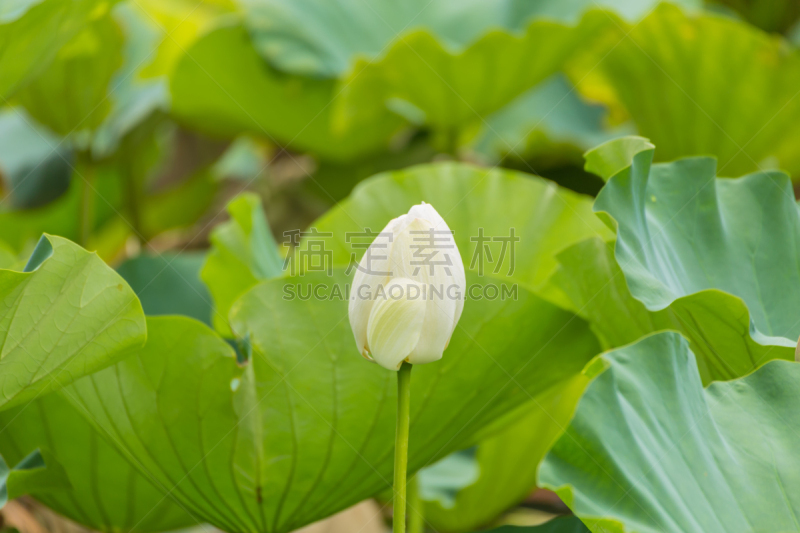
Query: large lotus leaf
[
  {"x": 306, "y": 427},
  {"x": 32, "y": 32},
  {"x": 649, "y": 450},
  {"x": 545, "y": 218},
  {"x": 323, "y": 38},
  {"x": 169, "y": 284},
  {"x": 719, "y": 253},
  {"x": 698, "y": 85},
  {"x": 223, "y": 87},
  {"x": 506, "y": 463},
  {"x": 243, "y": 252},
  {"x": 567, "y": 524},
  {"x": 716, "y": 324},
  {"x": 595, "y": 285},
  {"x": 549, "y": 122},
  {"x": 66, "y": 316},
  {"x": 104, "y": 492},
  {"x": 81, "y": 73},
  {"x": 452, "y": 91}
]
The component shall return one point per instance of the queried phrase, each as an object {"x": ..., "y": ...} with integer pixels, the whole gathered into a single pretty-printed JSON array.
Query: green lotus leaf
[
  {"x": 299, "y": 36},
  {"x": 611, "y": 157},
  {"x": 32, "y": 32},
  {"x": 37, "y": 471},
  {"x": 696, "y": 85},
  {"x": 506, "y": 464},
  {"x": 461, "y": 87},
  {"x": 595, "y": 285},
  {"x": 103, "y": 491},
  {"x": 169, "y": 284},
  {"x": 567, "y": 524},
  {"x": 305, "y": 427},
  {"x": 549, "y": 122},
  {"x": 649, "y": 450},
  {"x": 223, "y": 87},
  {"x": 66, "y": 316},
  {"x": 82, "y": 68},
  {"x": 474, "y": 201},
  {"x": 717, "y": 255},
  {"x": 243, "y": 252},
  {"x": 716, "y": 324}
]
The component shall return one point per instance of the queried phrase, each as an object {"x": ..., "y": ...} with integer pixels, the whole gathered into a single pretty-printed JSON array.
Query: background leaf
[
  {"x": 243, "y": 252},
  {"x": 82, "y": 68},
  {"x": 695, "y": 85},
  {"x": 549, "y": 118},
  {"x": 461, "y": 86},
  {"x": 223, "y": 87},
  {"x": 300, "y": 37},
  {"x": 33, "y": 32},
  {"x": 169, "y": 284}
]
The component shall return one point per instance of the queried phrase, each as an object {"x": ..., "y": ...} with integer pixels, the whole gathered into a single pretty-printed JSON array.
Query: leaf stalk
[{"x": 401, "y": 447}]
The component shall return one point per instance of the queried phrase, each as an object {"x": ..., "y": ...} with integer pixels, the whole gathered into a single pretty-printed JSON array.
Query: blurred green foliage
[{"x": 180, "y": 139}]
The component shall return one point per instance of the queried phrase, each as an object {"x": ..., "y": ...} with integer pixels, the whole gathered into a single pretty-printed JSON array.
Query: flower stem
[
  {"x": 401, "y": 448},
  {"x": 416, "y": 516}
]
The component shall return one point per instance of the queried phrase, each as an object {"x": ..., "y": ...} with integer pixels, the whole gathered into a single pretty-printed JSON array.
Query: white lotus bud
[{"x": 408, "y": 291}]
